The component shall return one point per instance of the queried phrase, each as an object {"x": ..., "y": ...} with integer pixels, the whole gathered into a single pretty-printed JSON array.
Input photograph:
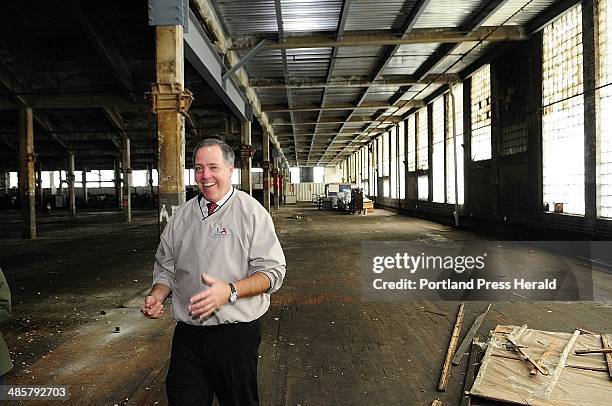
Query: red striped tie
[{"x": 211, "y": 207}]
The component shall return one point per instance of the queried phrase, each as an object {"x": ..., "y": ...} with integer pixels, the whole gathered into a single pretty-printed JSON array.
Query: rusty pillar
[
  {"x": 118, "y": 188},
  {"x": 27, "y": 175},
  {"x": 52, "y": 184},
  {"x": 265, "y": 165},
  {"x": 127, "y": 181},
  {"x": 39, "y": 186},
  {"x": 170, "y": 102},
  {"x": 84, "y": 182},
  {"x": 5, "y": 183},
  {"x": 70, "y": 180},
  {"x": 276, "y": 184},
  {"x": 246, "y": 156}
]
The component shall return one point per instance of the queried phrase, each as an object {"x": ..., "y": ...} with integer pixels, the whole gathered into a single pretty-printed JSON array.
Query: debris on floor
[{"x": 533, "y": 367}]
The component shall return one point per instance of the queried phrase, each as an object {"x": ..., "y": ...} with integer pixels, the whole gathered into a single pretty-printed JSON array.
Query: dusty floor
[{"x": 323, "y": 342}]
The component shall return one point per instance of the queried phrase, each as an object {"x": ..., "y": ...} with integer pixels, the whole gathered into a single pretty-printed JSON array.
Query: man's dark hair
[{"x": 228, "y": 153}]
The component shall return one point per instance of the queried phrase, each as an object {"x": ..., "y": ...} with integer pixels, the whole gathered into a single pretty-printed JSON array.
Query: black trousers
[{"x": 220, "y": 360}]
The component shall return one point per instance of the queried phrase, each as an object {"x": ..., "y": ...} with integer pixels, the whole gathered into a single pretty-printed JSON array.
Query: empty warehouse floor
[{"x": 323, "y": 343}]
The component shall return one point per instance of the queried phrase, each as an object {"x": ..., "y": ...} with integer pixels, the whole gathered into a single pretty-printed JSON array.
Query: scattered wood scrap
[
  {"x": 605, "y": 344},
  {"x": 505, "y": 376}
]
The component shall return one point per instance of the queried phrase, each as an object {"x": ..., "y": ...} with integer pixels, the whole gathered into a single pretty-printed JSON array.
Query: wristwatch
[{"x": 234, "y": 295}]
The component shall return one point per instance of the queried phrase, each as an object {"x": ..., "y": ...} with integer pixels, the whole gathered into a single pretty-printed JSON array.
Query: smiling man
[{"x": 219, "y": 258}]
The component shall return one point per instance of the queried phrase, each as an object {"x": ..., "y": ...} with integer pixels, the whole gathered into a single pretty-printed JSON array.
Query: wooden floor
[{"x": 323, "y": 342}]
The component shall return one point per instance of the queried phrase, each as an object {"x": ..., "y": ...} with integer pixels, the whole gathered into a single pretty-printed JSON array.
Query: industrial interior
[{"x": 358, "y": 124}]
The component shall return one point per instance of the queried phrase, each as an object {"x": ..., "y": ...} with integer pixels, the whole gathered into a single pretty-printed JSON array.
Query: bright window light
[
  {"x": 604, "y": 120},
  {"x": 294, "y": 174},
  {"x": 450, "y": 158},
  {"x": 422, "y": 140},
  {"x": 481, "y": 114},
  {"x": 437, "y": 153},
  {"x": 423, "y": 187},
  {"x": 563, "y": 114},
  {"x": 319, "y": 174}
]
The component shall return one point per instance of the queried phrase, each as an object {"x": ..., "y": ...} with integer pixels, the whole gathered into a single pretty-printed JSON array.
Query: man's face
[{"x": 212, "y": 174}]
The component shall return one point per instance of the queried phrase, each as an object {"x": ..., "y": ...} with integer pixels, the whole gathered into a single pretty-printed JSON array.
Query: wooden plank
[
  {"x": 599, "y": 351},
  {"x": 561, "y": 364},
  {"x": 467, "y": 340},
  {"x": 451, "y": 349},
  {"x": 605, "y": 342}
]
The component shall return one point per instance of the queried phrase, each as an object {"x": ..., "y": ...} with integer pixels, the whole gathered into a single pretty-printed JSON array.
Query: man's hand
[
  {"x": 208, "y": 301},
  {"x": 152, "y": 307}
]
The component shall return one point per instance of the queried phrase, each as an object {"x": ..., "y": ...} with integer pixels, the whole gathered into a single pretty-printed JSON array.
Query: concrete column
[
  {"x": 61, "y": 184},
  {"x": 52, "y": 183},
  {"x": 26, "y": 173},
  {"x": 283, "y": 185},
  {"x": 84, "y": 182},
  {"x": 150, "y": 178},
  {"x": 276, "y": 184},
  {"x": 265, "y": 142},
  {"x": 70, "y": 180},
  {"x": 590, "y": 115},
  {"x": 168, "y": 104},
  {"x": 245, "y": 157},
  {"x": 5, "y": 183},
  {"x": 39, "y": 186},
  {"x": 117, "y": 180},
  {"x": 127, "y": 181}
]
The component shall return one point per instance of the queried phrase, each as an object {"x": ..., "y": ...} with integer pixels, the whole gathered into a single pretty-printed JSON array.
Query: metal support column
[
  {"x": 52, "y": 183},
  {"x": 170, "y": 102},
  {"x": 117, "y": 180},
  {"x": 150, "y": 178},
  {"x": 127, "y": 181},
  {"x": 70, "y": 180},
  {"x": 276, "y": 184},
  {"x": 5, "y": 183},
  {"x": 265, "y": 165},
  {"x": 246, "y": 154},
  {"x": 26, "y": 173},
  {"x": 39, "y": 187},
  {"x": 84, "y": 182}
]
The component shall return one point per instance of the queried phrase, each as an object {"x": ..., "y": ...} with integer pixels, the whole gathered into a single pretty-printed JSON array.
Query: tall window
[
  {"x": 481, "y": 114},
  {"x": 437, "y": 156},
  {"x": 563, "y": 114},
  {"x": 604, "y": 97},
  {"x": 411, "y": 135},
  {"x": 423, "y": 187},
  {"x": 450, "y": 156},
  {"x": 393, "y": 135},
  {"x": 294, "y": 174},
  {"x": 422, "y": 140},
  {"x": 385, "y": 164},
  {"x": 401, "y": 165}
]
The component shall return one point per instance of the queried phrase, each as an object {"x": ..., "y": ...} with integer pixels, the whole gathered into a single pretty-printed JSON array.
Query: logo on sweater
[{"x": 221, "y": 232}]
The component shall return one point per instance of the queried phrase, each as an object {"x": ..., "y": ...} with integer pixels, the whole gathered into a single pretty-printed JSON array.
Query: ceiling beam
[
  {"x": 276, "y": 84},
  {"x": 275, "y": 108},
  {"x": 323, "y": 121},
  {"x": 418, "y": 36},
  {"x": 69, "y": 101}
]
